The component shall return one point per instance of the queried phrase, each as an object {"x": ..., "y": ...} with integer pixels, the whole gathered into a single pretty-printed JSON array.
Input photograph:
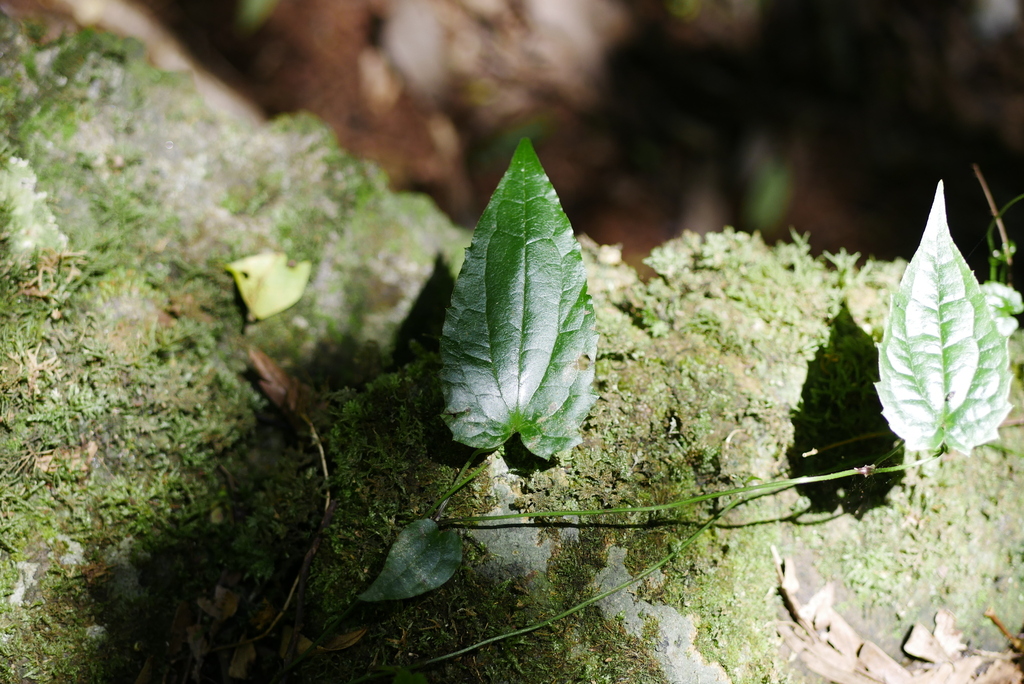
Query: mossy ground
[
  {"x": 708, "y": 380},
  {"x": 143, "y": 476},
  {"x": 685, "y": 407}
]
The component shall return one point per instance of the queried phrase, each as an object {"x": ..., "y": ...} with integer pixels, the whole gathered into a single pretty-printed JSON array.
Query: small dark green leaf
[
  {"x": 943, "y": 365},
  {"x": 421, "y": 559},
  {"x": 519, "y": 339}
]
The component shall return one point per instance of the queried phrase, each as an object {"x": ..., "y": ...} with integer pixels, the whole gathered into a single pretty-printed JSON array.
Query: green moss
[
  {"x": 249, "y": 199},
  {"x": 130, "y": 430},
  {"x": 130, "y": 425},
  {"x": 669, "y": 402},
  {"x": 681, "y": 412},
  {"x": 388, "y": 470},
  {"x": 923, "y": 551}
]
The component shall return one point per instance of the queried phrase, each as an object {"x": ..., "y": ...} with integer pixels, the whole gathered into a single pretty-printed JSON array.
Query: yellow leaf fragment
[
  {"x": 269, "y": 283},
  {"x": 302, "y": 644},
  {"x": 241, "y": 659},
  {"x": 343, "y": 641}
]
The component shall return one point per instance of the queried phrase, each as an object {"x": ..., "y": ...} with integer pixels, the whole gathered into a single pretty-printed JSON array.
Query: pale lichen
[{"x": 30, "y": 225}]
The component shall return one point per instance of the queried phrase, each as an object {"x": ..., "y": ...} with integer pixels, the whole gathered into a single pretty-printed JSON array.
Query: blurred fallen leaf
[
  {"x": 923, "y": 645},
  {"x": 292, "y": 397},
  {"x": 264, "y": 616},
  {"x": 881, "y": 666},
  {"x": 1001, "y": 672},
  {"x": 241, "y": 659},
  {"x": 287, "y": 393},
  {"x": 182, "y": 619},
  {"x": 829, "y": 646},
  {"x": 336, "y": 643},
  {"x": 948, "y": 636},
  {"x": 223, "y": 605},
  {"x": 286, "y": 637},
  {"x": 226, "y": 601},
  {"x": 343, "y": 641},
  {"x": 269, "y": 283},
  {"x": 197, "y": 642},
  {"x": 217, "y": 515},
  {"x": 208, "y": 607},
  {"x": 147, "y": 672}
]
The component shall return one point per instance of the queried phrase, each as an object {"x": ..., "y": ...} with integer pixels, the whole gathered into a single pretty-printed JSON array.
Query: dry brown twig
[
  {"x": 293, "y": 398},
  {"x": 303, "y": 574},
  {"x": 1016, "y": 642},
  {"x": 268, "y": 630},
  {"x": 999, "y": 222}
]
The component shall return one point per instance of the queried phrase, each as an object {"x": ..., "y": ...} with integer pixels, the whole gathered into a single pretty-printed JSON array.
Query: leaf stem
[
  {"x": 575, "y": 609},
  {"x": 762, "y": 487},
  {"x": 858, "y": 438},
  {"x": 460, "y": 482},
  {"x": 997, "y": 216}
]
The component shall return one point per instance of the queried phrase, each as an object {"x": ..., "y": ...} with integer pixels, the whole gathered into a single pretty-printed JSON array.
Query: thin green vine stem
[
  {"x": 763, "y": 487},
  {"x": 564, "y": 614},
  {"x": 760, "y": 489},
  {"x": 594, "y": 599},
  {"x": 994, "y": 263},
  {"x": 1006, "y": 207},
  {"x": 460, "y": 481}
]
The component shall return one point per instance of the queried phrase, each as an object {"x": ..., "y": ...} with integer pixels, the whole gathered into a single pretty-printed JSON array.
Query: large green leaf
[
  {"x": 421, "y": 559},
  {"x": 519, "y": 342},
  {"x": 944, "y": 367}
]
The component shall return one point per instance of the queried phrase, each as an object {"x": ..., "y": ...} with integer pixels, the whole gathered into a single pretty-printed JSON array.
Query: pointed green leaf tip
[
  {"x": 944, "y": 367},
  {"x": 519, "y": 339}
]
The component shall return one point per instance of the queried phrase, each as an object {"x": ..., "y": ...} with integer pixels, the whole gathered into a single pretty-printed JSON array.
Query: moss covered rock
[
  {"x": 738, "y": 363},
  {"x": 155, "y": 509},
  {"x": 138, "y": 460}
]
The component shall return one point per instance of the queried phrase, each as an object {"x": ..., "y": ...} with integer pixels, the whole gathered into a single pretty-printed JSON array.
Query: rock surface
[
  {"x": 155, "y": 509},
  {"x": 123, "y": 345}
]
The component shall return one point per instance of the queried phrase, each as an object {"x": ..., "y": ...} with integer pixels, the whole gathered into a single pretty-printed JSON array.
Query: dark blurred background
[{"x": 652, "y": 117}]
